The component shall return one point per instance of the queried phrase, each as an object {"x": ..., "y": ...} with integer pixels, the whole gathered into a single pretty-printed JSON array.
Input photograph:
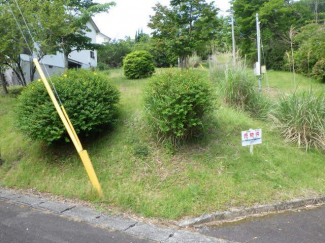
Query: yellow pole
[
  {"x": 71, "y": 126},
  {"x": 56, "y": 104},
  {"x": 72, "y": 133}
]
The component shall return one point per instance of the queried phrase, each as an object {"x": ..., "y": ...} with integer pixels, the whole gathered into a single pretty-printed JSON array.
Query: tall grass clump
[
  {"x": 301, "y": 119},
  {"x": 176, "y": 103},
  {"x": 217, "y": 68},
  {"x": 194, "y": 61},
  {"x": 239, "y": 90}
]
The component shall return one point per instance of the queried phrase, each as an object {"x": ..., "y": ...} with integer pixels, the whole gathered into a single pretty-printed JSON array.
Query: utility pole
[
  {"x": 233, "y": 40},
  {"x": 316, "y": 11},
  {"x": 259, "y": 64}
]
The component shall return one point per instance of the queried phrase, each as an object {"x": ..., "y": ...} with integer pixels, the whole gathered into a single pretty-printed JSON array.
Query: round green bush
[
  {"x": 176, "y": 102},
  {"x": 88, "y": 98},
  {"x": 138, "y": 64},
  {"x": 319, "y": 70}
]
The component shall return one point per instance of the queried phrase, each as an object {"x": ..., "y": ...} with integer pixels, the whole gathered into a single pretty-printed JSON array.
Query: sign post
[
  {"x": 259, "y": 61},
  {"x": 251, "y": 138}
]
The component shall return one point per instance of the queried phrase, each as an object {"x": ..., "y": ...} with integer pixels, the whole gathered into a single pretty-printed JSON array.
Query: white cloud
[{"x": 130, "y": 15}]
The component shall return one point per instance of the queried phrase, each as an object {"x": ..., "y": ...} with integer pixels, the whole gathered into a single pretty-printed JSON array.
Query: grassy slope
[
  {"x": 283, "y": 82},
  {"x": 211, "y": 175}
]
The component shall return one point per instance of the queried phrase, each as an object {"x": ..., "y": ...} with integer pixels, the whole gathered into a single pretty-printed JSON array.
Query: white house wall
[
  {"x": 101, "y": 38},
  {"x": 54, "y": 64},
  {"x": 84, "y": 55}
]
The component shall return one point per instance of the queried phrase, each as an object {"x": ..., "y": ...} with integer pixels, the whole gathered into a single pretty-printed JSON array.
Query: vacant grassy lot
[
  {"x": 284, "y": 82},
  {"x": 138, "y": 175}
]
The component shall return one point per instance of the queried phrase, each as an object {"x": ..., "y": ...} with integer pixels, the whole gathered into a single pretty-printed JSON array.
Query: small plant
[
  {"x": 216, "y": 69},
  {"x": 239, "y": 90},
  {"x": 194, "y": 61},
  {"x": 301, "y": 119},
  {"x": 138, "y": 64},
  {"x": 319, "y": 70},
  {"x": 140, "y": 151},
  {"x": 176, "y": 103},
  {"x": 88, "y": 98}
]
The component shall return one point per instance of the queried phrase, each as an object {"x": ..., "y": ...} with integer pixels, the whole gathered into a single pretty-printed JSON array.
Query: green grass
[
  {"x": 138, "y": 175},
  {"x": 283, "y": 82}
]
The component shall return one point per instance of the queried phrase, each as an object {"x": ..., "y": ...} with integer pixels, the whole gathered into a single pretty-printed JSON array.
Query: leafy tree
[
  {"x": 311, "y": 41},
  {"x": 111, "y": 54},
  {"x": 140, "y": 36},
  {"x": 3, "y": 80},
  {"x": 65, "y": 22},
  {"x": 55, "y": 26},
  {"x": 12, "y": 43},
  {"x": 276, "y": 17},
  {"x": 184, "y": 26}
]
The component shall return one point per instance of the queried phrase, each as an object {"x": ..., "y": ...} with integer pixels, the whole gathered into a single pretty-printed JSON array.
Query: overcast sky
[{"x": 130, "y": 15}]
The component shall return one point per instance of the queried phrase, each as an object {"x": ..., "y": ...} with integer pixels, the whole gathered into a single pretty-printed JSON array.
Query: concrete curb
[
  {"x": 262, "y": 209},
  {"x": 128, "y": 226}
]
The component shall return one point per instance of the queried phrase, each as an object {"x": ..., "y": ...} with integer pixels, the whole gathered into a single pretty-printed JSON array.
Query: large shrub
[
  {"x": 301, "y": 119},
  {"x": 319, "y": 70},
  {"x": 176, "y": 102},
  {"x": 88, "y": 98},
  {"x": 239, "y": 90},
  {"x": 138, "y": 64}
]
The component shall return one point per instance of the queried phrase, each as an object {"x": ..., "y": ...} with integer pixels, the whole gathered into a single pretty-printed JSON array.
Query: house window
[{"x": 92, "y": 54}]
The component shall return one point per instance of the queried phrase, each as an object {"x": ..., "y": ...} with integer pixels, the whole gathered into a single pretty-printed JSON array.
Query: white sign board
[{"x": 251, "y": 137}]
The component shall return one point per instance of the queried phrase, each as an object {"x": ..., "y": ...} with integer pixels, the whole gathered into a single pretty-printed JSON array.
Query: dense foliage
[
  {"x": 319, "y": 70},
  {"x": 112, "y": 53},
  {"x": 88, "y": 98},
  {"x": 59, "y": 25},
  {"x": 138, "y": 64},
  {"x": 184, "y": 26},
  {"x": 176, "y": 103},
  {"x": 311, "y": 47},
  {"x": 277, "y": 17}
]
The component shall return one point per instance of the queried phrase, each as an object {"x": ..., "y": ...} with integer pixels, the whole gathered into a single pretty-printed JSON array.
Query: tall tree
[
  {"x": 111, "y": 54},
  {"x": 311, "y": 46},
  {"x": 59, "y": 25},
  {"x": 184, "y": 26},
  {"x": 12, "y": 41},
  {"x": 3, "y": 80},
  {"x": 64, "y": 24},
  {"x": 276, "y": 17}
]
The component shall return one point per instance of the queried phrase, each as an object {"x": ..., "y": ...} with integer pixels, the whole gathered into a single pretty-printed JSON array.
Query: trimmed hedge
[
  {"x": 138, "y": 64},
  {"x": 176, "y": 102},
  {"x": 88, "y": 98}
]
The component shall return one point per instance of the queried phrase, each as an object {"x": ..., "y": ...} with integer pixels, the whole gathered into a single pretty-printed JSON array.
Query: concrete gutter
[
  {"x": 128, "y": 226},
  {"x": 253, "y": 211}
]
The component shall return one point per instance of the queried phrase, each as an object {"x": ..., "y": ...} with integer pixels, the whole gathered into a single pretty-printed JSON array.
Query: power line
[
  {"x": 19, "y": 27},
  {"x": 32, "y": 53}
]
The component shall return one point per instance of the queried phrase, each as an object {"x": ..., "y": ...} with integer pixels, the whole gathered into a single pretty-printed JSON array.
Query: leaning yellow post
[{"x": 74, "y": 137}]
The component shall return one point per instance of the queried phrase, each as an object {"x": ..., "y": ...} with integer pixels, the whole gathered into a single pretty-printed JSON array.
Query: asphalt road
[
  {"x": 19, "y": 224},
  {"x": 306, "y": 226}
]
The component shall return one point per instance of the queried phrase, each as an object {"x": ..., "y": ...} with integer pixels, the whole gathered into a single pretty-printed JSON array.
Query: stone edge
[
  {"x": 105, "y": 221},
  {"x": 253, "y": 211}
]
